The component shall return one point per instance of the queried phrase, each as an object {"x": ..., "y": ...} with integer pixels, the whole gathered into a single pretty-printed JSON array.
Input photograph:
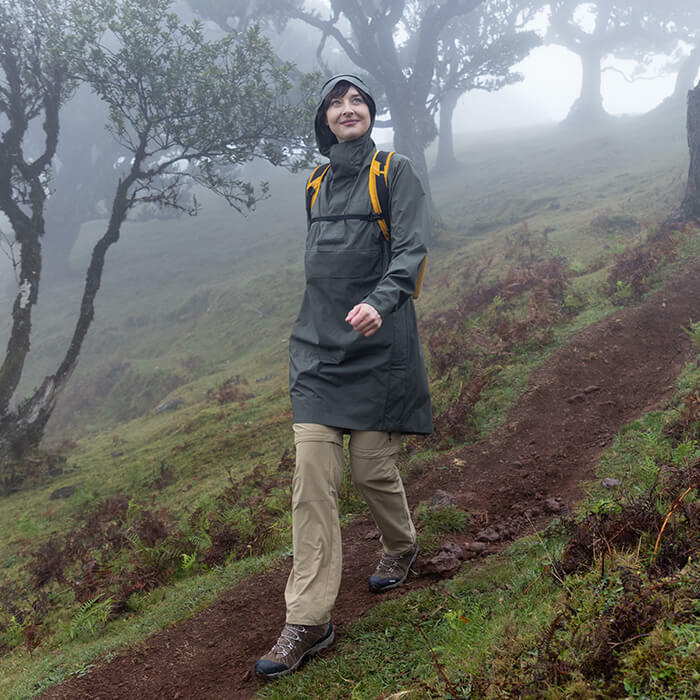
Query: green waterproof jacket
[{"x": 337, "y": 376}]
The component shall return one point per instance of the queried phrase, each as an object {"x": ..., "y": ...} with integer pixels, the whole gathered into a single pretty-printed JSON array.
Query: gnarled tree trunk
[{"x": 690, "y": 206}]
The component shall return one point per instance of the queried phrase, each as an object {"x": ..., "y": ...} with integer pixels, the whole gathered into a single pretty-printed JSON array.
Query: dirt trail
[{"x": 604, "y": 377}]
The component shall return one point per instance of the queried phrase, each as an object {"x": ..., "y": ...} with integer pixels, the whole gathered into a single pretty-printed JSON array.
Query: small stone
[
  {"x": 552, "y": 505},
  {"x": 610, "y": 483},
  {"x": 488, "y": 534},
  {"x": 63, "y": 492},
  {"x": 453, "y": 548},
  {"x": 443, "y": 498},
  {"x": 591, "y": 389},
  {"x": 446, "y": 562},
  {"x": 476, "y": 547},
  {"x": 576, "y": 398},
  {"x": 372, "y": 535}
]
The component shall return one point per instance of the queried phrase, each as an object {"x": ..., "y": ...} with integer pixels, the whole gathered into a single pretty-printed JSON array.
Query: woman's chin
[{"x": 351, "y": 135}]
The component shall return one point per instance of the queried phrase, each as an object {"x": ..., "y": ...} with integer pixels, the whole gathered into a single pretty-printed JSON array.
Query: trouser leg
[
  {"x": 313, "y": 584},
  {"x": 373, "y": 458}
]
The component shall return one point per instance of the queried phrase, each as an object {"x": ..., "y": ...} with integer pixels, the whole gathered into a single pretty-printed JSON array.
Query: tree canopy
[{"x": 182, "y": 109}]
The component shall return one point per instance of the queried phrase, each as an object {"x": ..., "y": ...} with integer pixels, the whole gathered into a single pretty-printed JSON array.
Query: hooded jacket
[{"x": 337, "y": 376}]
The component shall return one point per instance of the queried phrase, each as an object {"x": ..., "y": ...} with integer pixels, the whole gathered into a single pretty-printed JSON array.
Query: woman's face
[{"x": 348, "y": 117}]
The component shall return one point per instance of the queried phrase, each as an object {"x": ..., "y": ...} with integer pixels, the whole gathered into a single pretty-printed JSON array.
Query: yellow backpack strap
[
  {"x": 379, "y": 196},
  {"x": 379, "y": 190},
  {"x": 313, "y": 185}
]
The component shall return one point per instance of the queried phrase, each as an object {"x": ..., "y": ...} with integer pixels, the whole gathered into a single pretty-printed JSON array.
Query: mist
[{"x": 551, "y": 85}]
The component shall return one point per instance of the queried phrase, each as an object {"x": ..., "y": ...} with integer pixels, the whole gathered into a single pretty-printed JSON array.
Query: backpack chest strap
[
  {"x": 378, "y": 194},
  {"x": 345, "y": 217}
]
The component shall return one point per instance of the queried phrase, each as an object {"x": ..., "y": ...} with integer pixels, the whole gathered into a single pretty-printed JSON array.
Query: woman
[{"x": 356, "y": 367}]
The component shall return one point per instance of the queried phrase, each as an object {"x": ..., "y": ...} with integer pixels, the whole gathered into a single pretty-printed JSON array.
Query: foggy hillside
[{"x": 152, "y": 244}]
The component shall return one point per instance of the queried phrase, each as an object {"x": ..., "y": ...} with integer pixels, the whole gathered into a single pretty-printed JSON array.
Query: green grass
[{"x": 187, "y": 304}]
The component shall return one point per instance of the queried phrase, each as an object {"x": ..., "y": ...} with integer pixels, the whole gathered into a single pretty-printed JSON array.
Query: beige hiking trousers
[{"x": 314, "y": 582}]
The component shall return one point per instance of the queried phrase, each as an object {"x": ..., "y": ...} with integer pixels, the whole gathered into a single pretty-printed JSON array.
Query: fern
[
  {"x": 91, "y": 616},
  {"x": 188, "y": 560},
  {"x": 200, "y": 540}
]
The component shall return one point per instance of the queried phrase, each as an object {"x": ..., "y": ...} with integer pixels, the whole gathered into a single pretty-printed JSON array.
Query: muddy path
[{"x": 605, "y": 376}]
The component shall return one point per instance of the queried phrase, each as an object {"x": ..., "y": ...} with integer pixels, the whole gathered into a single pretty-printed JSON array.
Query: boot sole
[
  {"x": 398, "y": 583},
  {"x": 317, "y": 648}
]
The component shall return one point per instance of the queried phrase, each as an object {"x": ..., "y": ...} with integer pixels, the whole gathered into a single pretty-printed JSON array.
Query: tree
[
  {"x": 38, "y": 48},
  {"x": 690, "y": 208},
  {"x": 594, "y": 30},
  {"x": 477, "y": 51},
  {"x": 373, "y": 34},
  {"x": 183, "y": 110}
]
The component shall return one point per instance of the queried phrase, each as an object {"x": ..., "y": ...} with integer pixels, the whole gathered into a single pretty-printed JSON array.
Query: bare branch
[{"x": 328, "y": 28}]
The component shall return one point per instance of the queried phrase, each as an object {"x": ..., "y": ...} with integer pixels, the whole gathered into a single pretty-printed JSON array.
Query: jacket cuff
[{"x": 380, "y": 305}]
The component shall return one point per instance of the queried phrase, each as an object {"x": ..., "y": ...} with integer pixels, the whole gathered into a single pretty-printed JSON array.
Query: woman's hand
[{"x": 364, "y": 319}]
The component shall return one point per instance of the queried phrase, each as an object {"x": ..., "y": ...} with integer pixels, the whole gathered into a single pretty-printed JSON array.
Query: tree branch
[{"x": 328, "y": 28}]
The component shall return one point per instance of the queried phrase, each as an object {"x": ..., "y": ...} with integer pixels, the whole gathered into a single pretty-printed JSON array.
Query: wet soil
[{"x": 605, "y": 376}]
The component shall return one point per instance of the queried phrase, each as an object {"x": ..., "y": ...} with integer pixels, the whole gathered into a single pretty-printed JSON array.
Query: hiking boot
[
  {"x": 295, "y": 643},
  {"x": 392, "y": 571}
]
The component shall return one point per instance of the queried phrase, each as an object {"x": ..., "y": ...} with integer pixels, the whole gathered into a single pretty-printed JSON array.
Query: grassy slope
[{"x": 226, "y": 297}]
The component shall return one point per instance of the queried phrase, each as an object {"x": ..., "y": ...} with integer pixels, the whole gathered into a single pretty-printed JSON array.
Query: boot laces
[
  {"x": 288, "y": 637},
  {"x": 387, "y": 563}
]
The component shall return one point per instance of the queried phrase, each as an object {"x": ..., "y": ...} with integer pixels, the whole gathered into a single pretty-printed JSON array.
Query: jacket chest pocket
[{"x": 321, "y": 263}]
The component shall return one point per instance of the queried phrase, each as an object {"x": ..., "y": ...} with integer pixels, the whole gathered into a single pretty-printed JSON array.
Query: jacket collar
[{"x": 347, "y": 158}]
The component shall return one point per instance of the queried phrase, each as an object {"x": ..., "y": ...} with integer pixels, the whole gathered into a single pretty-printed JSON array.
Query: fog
[{"x": 551, "y": 85}]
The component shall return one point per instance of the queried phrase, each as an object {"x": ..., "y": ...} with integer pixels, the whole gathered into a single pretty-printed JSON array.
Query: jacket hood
[{"x": 324, "y": 136}]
